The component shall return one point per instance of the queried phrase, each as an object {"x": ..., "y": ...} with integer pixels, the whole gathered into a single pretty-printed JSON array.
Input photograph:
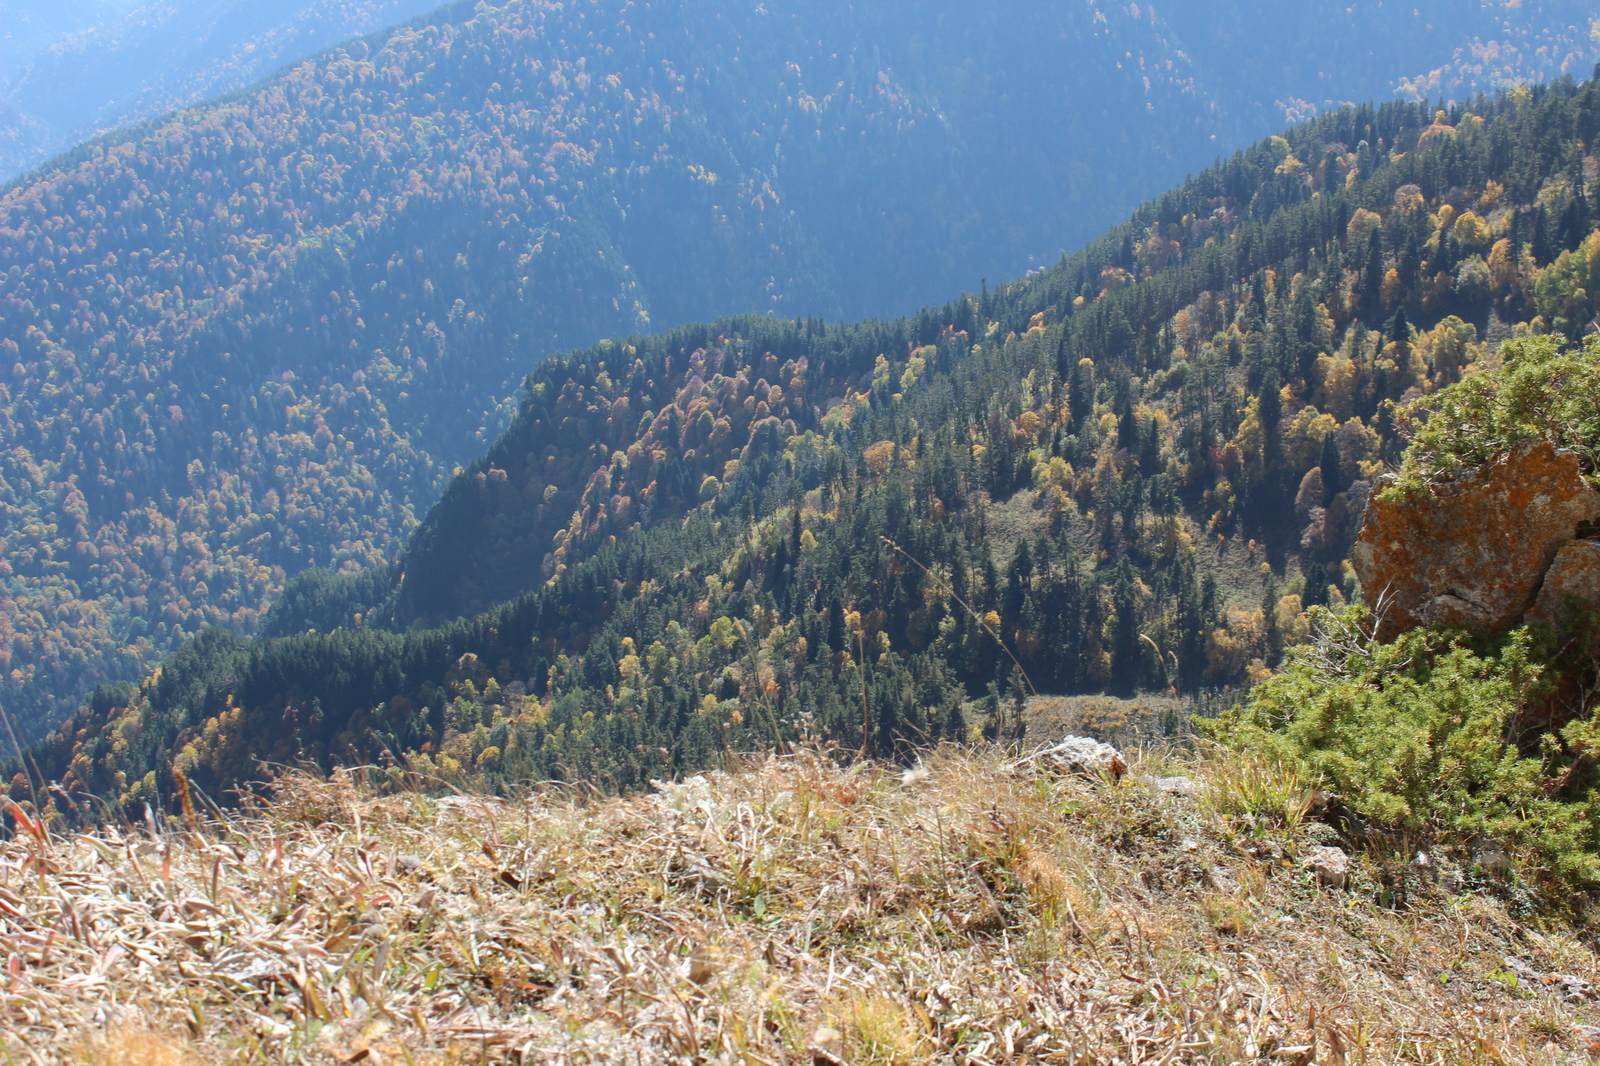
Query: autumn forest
[{"x": 289, "y": 475}]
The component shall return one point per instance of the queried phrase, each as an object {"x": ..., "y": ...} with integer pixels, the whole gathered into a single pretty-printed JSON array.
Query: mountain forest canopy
[
  {"x": 1137, "y": 469},
  {"x": 261, "y": 334}
]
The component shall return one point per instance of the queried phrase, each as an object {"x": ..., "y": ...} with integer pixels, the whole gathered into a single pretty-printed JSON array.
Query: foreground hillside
[{"x": 977, "y": 911}]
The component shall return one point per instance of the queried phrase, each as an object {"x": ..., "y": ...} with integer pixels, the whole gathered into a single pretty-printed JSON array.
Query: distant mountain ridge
[{"x": 93, "y": 68}]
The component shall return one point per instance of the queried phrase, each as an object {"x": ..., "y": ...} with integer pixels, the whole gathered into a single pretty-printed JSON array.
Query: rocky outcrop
[
  {"x": 1571, "y": 988},
  {"x": 1475, "y": 551}
]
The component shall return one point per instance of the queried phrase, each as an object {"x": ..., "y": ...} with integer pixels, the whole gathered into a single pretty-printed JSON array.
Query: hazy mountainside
[
  {"x": 70, "y": 71},
  {"x": 31, "y": 26},
  {"x": 260, "y": 334},
  {"x": 1136, "y": 469}
]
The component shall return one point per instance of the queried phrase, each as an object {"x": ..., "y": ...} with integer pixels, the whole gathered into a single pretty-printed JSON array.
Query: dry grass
[{"x": 790, "y": 912}]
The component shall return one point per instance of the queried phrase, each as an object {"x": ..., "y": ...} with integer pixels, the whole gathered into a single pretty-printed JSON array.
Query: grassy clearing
[
  {"x": 788, "y": 911},
  {"x": 1147, "y": 719}
]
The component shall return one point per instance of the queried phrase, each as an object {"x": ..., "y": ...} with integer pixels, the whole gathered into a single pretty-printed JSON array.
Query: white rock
[
  {"x": 1177, "y": 786},
  {"x": 1330, "y": 865},
  {"x": 1573, "y": 989},
  {"x": 1085, "y": 755}
]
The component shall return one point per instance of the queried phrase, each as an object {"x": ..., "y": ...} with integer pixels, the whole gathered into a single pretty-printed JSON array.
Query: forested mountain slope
[
  {"x": 1326, "y": 52},
  {"x": 261, "y": 334},
  {"x": 33, "y": 25},
  {"x": 1132, "y": 470}
]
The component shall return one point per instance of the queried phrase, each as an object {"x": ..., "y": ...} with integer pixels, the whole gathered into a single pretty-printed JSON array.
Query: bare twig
[
  {"x": 22, "y": 760},
  {"x": 976, "y": 617}
]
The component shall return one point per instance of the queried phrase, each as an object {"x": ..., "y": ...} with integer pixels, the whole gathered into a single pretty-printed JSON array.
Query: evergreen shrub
[{"x": 1436, "y": 739}]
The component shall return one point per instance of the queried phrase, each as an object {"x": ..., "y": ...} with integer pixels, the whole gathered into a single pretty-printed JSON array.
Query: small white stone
[
  {"x": 1085, "y": 755},
  {"x": 1330, "y": 865},
  {"x": 1492, "y": 859},
  {"x": 1177, "y": 785}
]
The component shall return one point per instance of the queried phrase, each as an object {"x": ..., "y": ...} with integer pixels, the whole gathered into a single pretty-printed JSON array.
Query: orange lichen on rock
[{"x": 1474, "y": 552}]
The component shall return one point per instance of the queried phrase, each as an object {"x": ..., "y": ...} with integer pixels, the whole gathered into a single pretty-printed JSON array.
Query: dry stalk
[{"x": 976, "y": 617}]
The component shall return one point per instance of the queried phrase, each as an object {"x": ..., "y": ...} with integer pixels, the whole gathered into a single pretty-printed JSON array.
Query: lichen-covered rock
[
  {"x": 1474, "y": 551},
  {"x": 1574, "y": 574}
]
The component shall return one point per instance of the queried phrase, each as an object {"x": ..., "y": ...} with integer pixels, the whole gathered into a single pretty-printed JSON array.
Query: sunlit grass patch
[{"x": 785, "y": 910}]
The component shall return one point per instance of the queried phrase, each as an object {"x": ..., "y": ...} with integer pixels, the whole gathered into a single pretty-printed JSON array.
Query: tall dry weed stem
[{"x": 786, "y": 911}]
